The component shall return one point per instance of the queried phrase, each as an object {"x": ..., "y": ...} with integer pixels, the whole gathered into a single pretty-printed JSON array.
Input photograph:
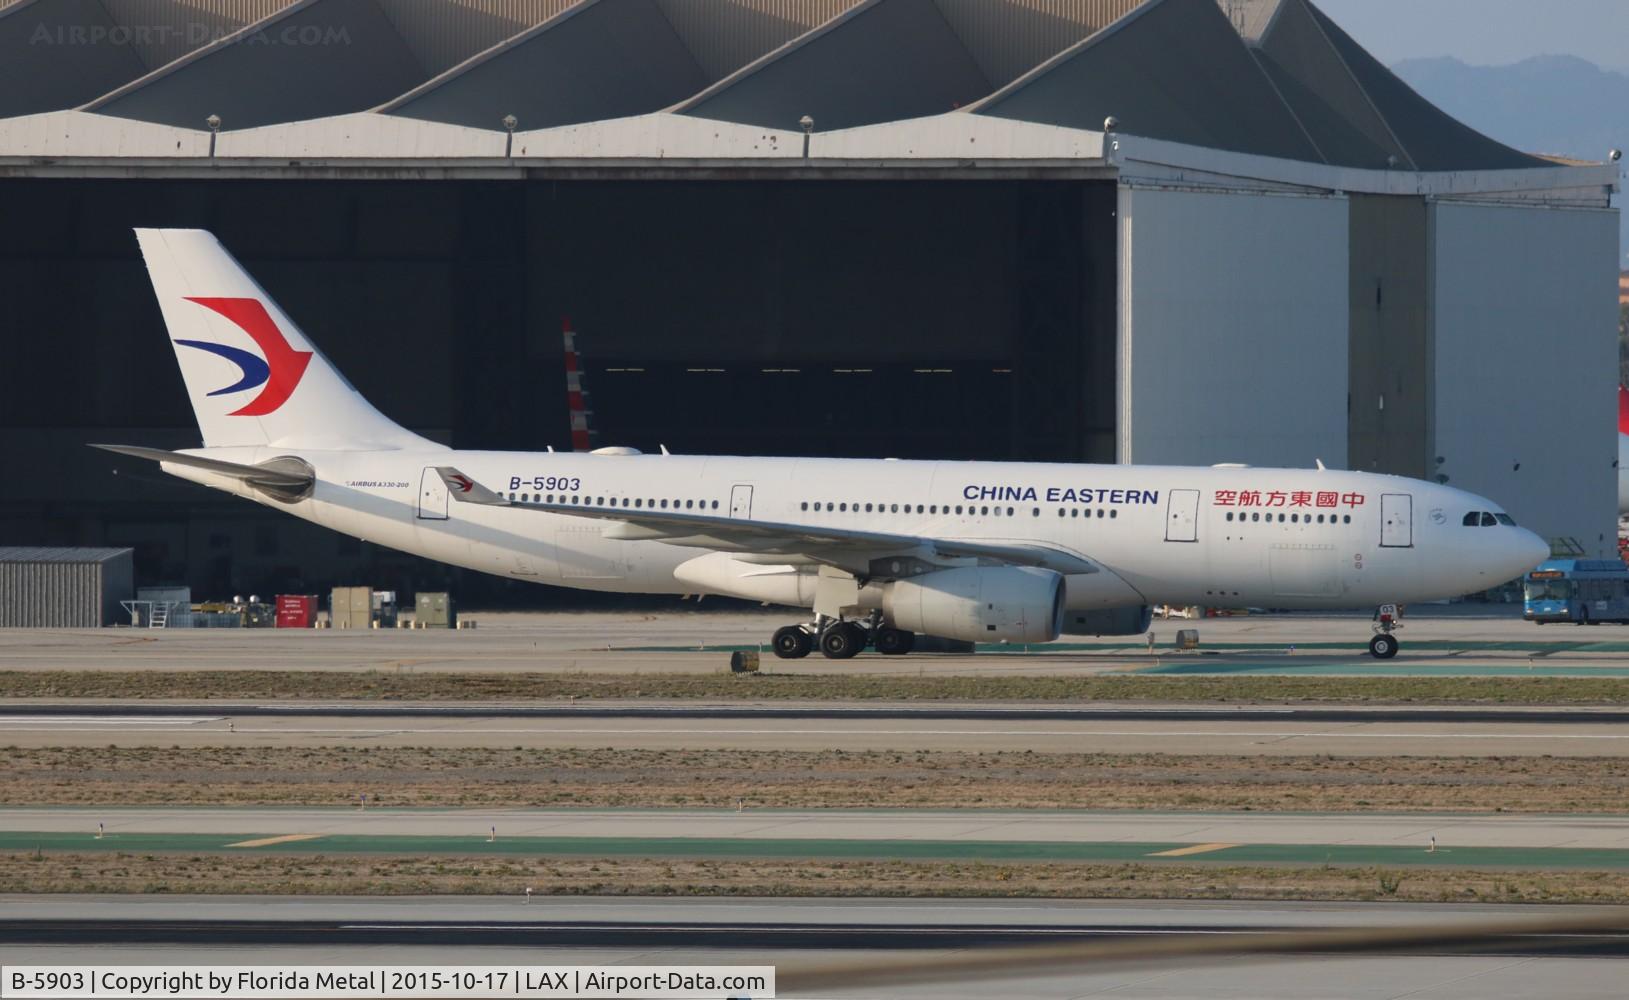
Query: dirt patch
[{"x": 483, "y": 777}]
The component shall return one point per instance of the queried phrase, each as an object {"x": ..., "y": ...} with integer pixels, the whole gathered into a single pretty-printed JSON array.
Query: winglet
[{"x": 466, "y": 490}]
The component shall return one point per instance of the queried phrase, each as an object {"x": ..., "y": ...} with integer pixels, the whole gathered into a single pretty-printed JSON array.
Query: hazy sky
[{"x": 1487, "y": 32}]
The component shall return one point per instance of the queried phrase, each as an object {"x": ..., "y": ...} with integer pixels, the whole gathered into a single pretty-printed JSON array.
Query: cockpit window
[
  {"x": 1488, "y": 520},
  {"x": 1506, "y": 520},
  {"x": 1472, "y": 519}
]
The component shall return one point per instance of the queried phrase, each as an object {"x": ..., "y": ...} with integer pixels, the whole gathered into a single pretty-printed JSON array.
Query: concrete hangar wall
[{"x": 958, "y": 256}]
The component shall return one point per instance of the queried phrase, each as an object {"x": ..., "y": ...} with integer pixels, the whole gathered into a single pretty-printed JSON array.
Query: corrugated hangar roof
[
  {"x": 311, "y": 59},
  {"x": 60, "y": 54},
  {"x": 1170, "y": 69},
  {"x": 1266, "y": 78},
  {"x": 1432, "y": 139},
  {"x": 597, "y": 59},
  {"x": 882, "y": 60},
  {"x": 50, "y": 554}
]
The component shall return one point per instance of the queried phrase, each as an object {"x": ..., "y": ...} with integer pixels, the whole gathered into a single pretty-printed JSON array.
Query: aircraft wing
[{"x": 851, "y": 549}]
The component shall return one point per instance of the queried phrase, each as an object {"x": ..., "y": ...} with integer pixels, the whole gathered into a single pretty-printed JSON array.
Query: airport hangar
[{"x": 1277, "y": 254}]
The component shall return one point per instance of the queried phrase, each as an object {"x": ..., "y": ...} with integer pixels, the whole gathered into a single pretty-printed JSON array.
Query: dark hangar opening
[{"x": 916, "y": 319}]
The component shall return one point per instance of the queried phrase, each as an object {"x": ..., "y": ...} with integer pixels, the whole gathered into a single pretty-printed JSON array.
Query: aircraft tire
[
  {"x": 1383, "y": 647},
  {"x": 842, "y": 641},
  {"x": 791, "y": 642},
  {"x": 894, "y": 641}
]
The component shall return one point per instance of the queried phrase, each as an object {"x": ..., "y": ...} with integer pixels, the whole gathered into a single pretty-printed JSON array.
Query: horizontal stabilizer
[{"x": 285, "y": 477}]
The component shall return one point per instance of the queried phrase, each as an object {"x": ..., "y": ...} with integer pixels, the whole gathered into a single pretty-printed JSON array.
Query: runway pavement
[
  {"x": 1223, "y": 834},
  {"x": 1435, "y": 641},
  {"x": 791, "y": 934},
  {"x": 1344, "y": 732}
]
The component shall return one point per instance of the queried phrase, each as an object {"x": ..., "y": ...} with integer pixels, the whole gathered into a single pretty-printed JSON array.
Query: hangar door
[
  {"x": 1396, "y": 520},
  {"x": 1182, "y": 516}
]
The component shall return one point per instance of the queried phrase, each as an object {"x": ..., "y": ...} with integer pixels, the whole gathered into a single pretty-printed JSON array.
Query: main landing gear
[
  {"x": 840, "y": 640},
  {"x": 1387, "y": 620}
]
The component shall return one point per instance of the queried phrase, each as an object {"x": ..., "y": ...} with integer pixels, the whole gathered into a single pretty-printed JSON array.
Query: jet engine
[
  {"x": 1109, "y": 621},
  {"x": 979, "y": 604}
]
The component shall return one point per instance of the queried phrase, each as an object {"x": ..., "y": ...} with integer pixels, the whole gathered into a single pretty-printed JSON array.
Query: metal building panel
[
  {"x": 725, "y": 35},
  {"x": 1011, "y": 37},
  {"x": 1389, "y": 428},
  {"x": 62, "y": 587},
  {"x": 444, "y": 33},
  {"x": 364, "y": 134},
  {"x": 1232, "y": 332},
  {"x": 957, "y": 135},
  {"x": 80, "y": 133},
  {"x": 1522, "y": 316},
  {"x": 659, "y": 136}
]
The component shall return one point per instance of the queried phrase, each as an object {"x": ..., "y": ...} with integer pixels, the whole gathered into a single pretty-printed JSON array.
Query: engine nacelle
[
  {"x": 1109, "y": 621},
  {"x": 979, "y": 604}
]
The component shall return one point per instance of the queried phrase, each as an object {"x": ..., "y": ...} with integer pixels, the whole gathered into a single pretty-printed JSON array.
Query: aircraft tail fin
[{"x": 253, "y": 377}]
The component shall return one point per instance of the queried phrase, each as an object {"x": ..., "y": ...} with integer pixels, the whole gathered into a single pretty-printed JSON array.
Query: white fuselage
[{"x": 1162, "y": 535}]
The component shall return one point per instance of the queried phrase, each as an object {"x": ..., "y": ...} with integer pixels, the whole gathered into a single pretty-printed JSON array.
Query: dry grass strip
[
  {"x": 471, "y": 777},
  {"x": 300, "y": 685}
]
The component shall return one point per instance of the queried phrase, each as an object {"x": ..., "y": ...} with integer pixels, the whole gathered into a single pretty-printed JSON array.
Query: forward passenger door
[{"x": 1396, "y": 521}]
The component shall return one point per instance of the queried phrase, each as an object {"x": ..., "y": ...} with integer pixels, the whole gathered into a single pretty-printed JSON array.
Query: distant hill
[{"x": 1547, "y": 104}]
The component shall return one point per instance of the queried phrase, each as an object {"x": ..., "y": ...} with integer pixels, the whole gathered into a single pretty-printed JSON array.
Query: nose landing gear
[{"x": 1387, "y": 620}]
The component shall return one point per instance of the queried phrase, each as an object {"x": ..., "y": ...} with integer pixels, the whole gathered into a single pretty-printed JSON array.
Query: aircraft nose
[{"x": 1530, "y": 550}]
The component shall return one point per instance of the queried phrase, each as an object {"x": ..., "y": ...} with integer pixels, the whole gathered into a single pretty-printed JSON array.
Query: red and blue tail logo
[{"x": 281, "y": 368}]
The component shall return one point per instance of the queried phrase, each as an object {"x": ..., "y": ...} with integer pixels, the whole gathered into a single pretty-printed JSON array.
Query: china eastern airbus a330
[{"x": 879, "y": 550}]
